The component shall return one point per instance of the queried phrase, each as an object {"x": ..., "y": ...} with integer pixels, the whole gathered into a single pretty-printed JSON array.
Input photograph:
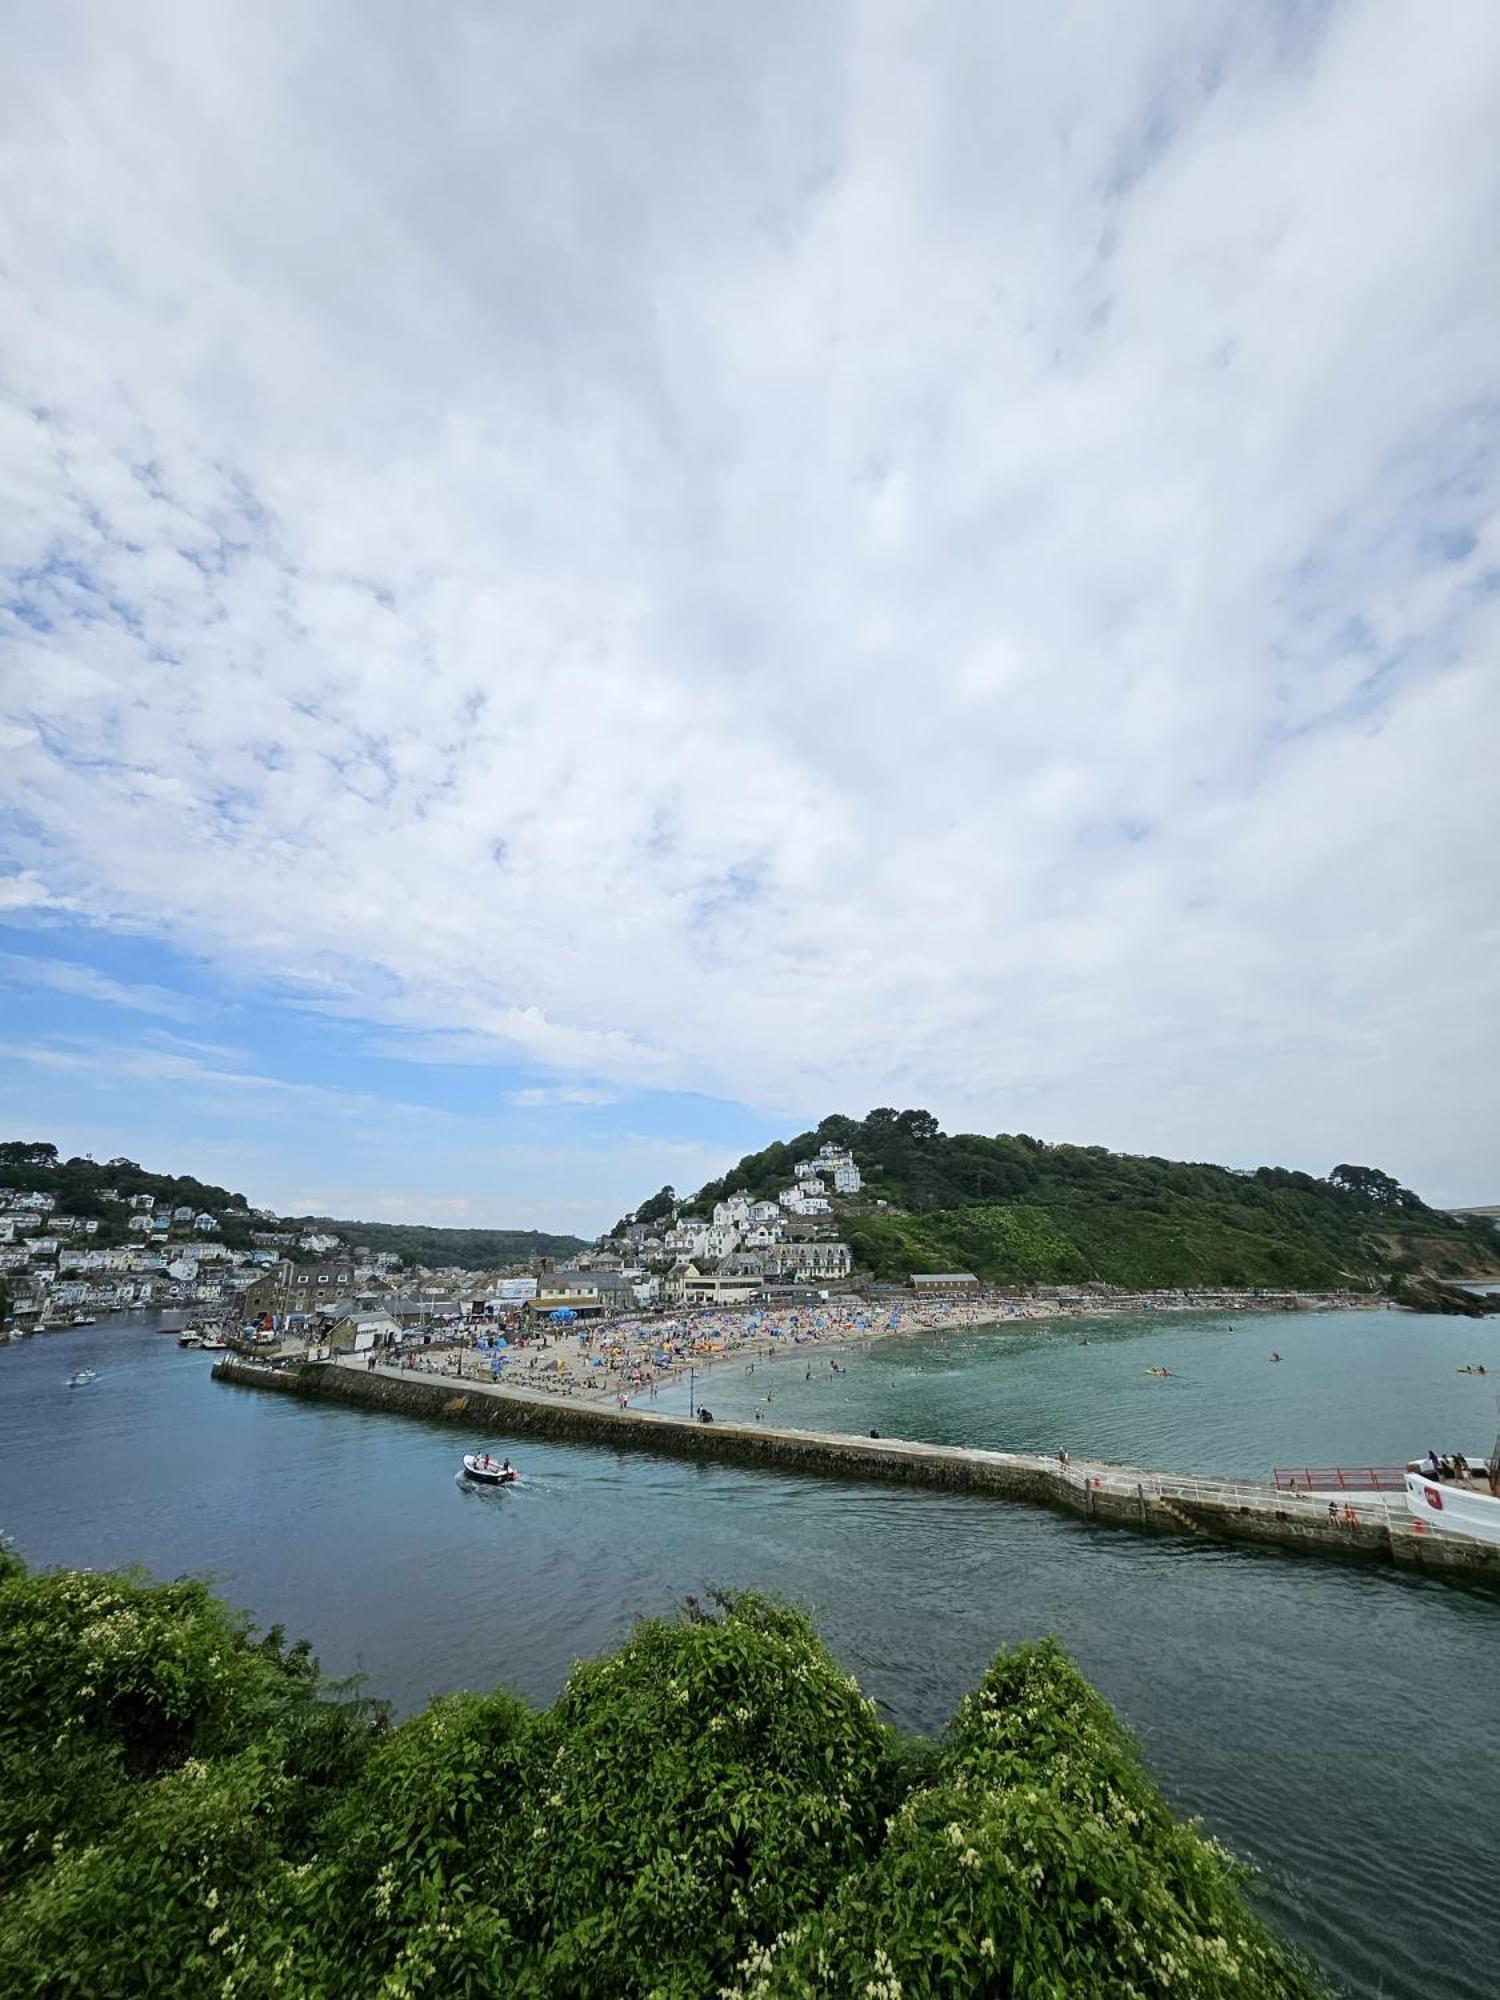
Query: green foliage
[
  {"x": 1375, "y": 1189},
  {"x": 659, "y": 1208},
  {"x": 471, "y": 1249},
  {"x": 182, "y": 1888},
  {"x": 705, "y": 1786},
  {"x": 713, "y": 1809},
  {"x": 79, "y": 1183},
  {"x": 33, "y": 1166},
  {"x": 108, "y": 1680},
  {"x": 1040, "y": 1861},
  {"x": 1012, "y": 1209},
  {"x": 1021, "y": 1244},
  {"x": 416, "y": 1879}
]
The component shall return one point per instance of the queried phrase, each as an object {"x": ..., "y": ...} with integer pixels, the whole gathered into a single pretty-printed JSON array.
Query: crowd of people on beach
[{"x": 631, "y": 1358}]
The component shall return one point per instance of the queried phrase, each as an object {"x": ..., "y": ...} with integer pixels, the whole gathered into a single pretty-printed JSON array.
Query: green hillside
[
  {"x": 102, "y": 1189},
  {"x": 473, "y": 1249},
  {"x": 85, "y": 1187},
  {"x": 1014, "y": 1209}
]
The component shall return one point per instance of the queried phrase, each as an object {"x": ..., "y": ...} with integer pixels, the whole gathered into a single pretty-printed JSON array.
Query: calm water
[
  {"x": 1318, "y": 1717},
  {"x": 1350, "y": 1389}
]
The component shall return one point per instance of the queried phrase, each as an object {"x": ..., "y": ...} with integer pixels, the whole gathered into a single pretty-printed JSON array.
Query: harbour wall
[{"x": 1360, "y": 1526}]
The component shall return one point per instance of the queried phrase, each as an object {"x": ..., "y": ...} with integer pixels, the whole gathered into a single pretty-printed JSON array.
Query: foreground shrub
[
  {"x": 704, "y": 1787},
  {"x": 1041, "y": 1862},
  {"x": 109, "y": 1680},
  {"x": 182, "y": 1895},
  {"x": 418, "y": 1858},
  {"x": 715, "y": 1808}
]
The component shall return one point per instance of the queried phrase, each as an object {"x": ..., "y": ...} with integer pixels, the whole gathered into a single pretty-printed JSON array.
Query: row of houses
[
  {"x": 163, "y": 1221},
  {"x": 19, "y": 1223},
  {"x": 742, "y": 1223}
]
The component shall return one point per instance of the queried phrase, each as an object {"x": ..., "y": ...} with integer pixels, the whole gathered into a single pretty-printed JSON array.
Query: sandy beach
[{"x": 628, "y": 1360}]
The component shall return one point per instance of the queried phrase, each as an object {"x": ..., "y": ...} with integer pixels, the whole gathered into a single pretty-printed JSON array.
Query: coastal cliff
[{"x": 1430, "y": 1295}]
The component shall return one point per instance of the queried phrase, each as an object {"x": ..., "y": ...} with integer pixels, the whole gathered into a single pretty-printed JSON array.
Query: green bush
[
  {"x": 714, "y": 1809},
  {"x": 411, "y": 1890},
  {"x": 705, "y": 1786},
  {"x": 182, "y": 1895},
  {"x": 1042, "y": 1861}
]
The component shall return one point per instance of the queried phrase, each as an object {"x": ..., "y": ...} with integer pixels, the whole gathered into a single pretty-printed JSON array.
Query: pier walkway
[{"x": 1371, "y": 1525}]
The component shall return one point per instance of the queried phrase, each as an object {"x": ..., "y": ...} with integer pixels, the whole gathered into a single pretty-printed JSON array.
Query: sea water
[{"x": 1327, "y": 1721}]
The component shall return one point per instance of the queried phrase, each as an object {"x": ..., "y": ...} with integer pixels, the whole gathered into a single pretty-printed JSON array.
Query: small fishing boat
[
  {"x": 82, "y": 1378},
  {"x": 487, "y": 1471},
  {"x": 212, "y": 1340},
  {"x": 189, "y": 1339}
]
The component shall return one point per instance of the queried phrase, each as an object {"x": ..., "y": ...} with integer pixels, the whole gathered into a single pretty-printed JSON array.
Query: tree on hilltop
[{"x": 1371, "y": 1185}]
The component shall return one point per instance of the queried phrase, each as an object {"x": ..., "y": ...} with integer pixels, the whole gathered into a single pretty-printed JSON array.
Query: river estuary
[{"x": 1328, "y": 1722}]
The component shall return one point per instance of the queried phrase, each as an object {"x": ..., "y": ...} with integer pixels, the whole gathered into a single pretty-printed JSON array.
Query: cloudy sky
[{"x": 584, "y": 586}]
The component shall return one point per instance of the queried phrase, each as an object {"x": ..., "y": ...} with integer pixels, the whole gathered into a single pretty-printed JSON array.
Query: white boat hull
[
  {"x": 1452, "y": 1508},
  {"x": 490, "y": 1474}
]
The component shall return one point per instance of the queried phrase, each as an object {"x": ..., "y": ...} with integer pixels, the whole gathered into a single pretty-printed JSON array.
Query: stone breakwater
[{"x": 1371, "y": 1526}]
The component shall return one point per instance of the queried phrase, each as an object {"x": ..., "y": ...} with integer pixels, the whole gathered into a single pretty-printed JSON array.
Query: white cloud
[
  {"x": 58, "y": 975},
  {"x": 818, "y": 558},
  {"x": 539, "y": 1095},
  {"x": 213, "y": 1078},
  {"x": 25, "y": 890}
]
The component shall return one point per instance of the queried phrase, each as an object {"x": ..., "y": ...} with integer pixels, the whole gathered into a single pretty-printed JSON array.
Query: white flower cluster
[{"x": 885, "y": 1985}]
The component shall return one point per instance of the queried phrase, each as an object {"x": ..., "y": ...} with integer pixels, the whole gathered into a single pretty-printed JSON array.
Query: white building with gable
[{"x": 837, "y": 1163}]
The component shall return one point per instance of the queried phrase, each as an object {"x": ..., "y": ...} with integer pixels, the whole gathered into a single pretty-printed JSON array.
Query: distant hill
[
  {"x": 83, "y": 1187},
  {"x": 1012, "y": 1208},
  {"x": 474, "y": 1249}
]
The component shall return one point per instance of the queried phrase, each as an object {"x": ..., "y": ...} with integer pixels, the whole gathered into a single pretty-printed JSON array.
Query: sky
[{"x": 583, "y": 587}]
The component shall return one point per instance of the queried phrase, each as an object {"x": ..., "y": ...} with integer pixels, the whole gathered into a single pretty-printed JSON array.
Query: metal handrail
[{"x": 1340, "y": 1478}]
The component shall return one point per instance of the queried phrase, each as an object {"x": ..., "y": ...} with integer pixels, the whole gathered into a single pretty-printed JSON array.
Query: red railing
[{"x": 1340, "y": 1478}]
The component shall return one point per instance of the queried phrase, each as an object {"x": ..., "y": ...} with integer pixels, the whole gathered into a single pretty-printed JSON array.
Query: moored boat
[
  {"x": 189, "y": 1339},
  {"x": 487, "y": 1471},
  {"x": 1465, "y": 1501}
]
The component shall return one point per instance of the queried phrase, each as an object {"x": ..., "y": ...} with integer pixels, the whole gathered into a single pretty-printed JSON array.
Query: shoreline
[{"x": 625, "y": 1362}]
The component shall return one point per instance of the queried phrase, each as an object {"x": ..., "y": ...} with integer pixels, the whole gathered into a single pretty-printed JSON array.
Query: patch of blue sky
[
  {"x": 719, "y": 896},
  {"x": 64, "y": 988},
  {"x": 29, "y": 610},
  {"x": 62, "y": 589}
]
